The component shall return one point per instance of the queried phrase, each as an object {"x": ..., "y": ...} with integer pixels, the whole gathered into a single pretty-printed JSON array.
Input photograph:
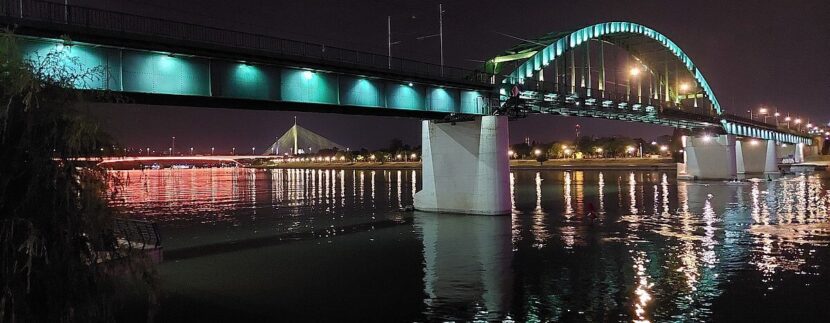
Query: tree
[{"x": 54, "y": 216}]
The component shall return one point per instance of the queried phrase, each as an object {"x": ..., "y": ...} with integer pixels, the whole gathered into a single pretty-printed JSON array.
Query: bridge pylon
[{"x": 465, "y": 167}]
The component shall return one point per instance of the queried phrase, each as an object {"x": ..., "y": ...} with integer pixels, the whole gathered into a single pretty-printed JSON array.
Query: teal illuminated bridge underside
[
  {"x": 181, "y": 64},
  {"x": 153, "y": 72}
]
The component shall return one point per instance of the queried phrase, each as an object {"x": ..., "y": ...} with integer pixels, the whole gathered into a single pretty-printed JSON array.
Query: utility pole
[
  {"x": 389, "y": 40},
  {"x": 441, "y": 33}
]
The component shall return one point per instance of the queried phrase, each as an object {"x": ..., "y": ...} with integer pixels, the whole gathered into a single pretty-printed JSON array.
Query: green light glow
[
  {"x": 441, "y": 99},
  {"x": 360, "y": 92},
  {"x": 244, "y": 81},
  {"x": 309, "y": 87},
  {"x": 403, "y": 96},
  {"x": 77, "y": 60},
  {"x": 160, "y": 73}
]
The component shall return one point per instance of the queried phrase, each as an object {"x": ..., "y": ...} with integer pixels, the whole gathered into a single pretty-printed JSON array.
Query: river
[{"x": 334, "y": 245}]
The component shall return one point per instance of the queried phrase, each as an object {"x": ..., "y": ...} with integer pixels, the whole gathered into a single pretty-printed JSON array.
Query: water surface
[{"x": 333, "y": 245}]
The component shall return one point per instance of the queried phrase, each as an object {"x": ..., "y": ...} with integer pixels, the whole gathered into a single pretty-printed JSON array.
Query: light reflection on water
[{"x": 580, "y": 245}]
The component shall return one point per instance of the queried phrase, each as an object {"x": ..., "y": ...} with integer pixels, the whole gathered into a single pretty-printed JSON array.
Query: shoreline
[{"x": 610, "y": 164}]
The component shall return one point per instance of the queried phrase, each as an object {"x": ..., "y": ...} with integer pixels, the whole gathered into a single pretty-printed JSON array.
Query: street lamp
[
  {"x": 233, "y": 151},
  {"x": 764, "y": 112},
  {"x": 634, "y": 72},
  {"x": 510, "y": 153},
  {"x": 211, "y": 151},
  {"x": 537, "y": 152},
  {"x": 191, "y": 151},
  {"x": 253, "y": 149}
]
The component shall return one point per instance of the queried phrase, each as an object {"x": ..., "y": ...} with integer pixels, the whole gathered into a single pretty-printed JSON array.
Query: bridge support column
[
  {"x": 465, "y": 167},
  {"x": 799, "y": 153},
  {"x": 755, "y": 156},
  {"x": 709, "y": 158}
]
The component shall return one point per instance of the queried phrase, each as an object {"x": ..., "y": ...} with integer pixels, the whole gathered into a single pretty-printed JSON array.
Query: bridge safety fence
[{"x": 112, "y": 21}]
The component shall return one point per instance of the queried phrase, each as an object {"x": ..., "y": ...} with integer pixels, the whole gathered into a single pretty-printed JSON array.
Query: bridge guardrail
[{"x": 106, "y": 20}]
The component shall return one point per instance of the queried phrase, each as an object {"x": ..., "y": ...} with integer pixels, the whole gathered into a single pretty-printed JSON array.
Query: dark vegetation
[{"x": 57, "y": 246}]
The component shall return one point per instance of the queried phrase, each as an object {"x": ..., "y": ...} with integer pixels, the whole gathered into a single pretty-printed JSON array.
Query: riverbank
[{"x": 559, "y": 164}]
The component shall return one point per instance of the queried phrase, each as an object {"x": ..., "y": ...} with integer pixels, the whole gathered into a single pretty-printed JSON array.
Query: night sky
[{"x": 753, "y": 53}]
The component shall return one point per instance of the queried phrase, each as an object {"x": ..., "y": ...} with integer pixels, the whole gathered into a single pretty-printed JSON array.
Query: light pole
[
  {"x": 211, "y": 151},
  {"x": 634, "y": 72},
  {"x": 764, "y": 112},
  {"x": 252, "y": 150},
  {"x": 191, "y": 151},
  {"x": 233, "y": 151},
  {"x": 173, "y": 146}
]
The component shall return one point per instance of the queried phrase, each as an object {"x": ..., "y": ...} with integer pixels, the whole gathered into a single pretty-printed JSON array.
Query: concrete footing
[
  {"x": 724, "y": 157},
  {"x": 709, "y": 157},
  {"x": 465, "y": 167},
  {"x": 755, "y": 156}
]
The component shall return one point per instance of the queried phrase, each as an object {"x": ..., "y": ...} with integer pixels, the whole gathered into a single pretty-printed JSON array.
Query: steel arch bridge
[
  {"x": 165, "y": 62},
  {"x": 678, "y": 94}
]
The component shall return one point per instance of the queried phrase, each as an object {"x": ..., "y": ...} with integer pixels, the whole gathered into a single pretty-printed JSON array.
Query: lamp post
[
  {"x": 173, "y": 146},
  {"x": 634, "y": 72},
  {"x": 764, "y": 112}
]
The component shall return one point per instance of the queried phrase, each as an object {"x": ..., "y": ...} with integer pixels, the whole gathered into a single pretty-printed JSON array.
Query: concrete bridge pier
[
  {"x": 755, "y": 156},
  {"x": 794, "y": 151},
  {"x": 465, "y": 167},
  {"x": 708, "y": 157}
]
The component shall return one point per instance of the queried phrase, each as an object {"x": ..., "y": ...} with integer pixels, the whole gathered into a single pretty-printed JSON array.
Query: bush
[{"x": 55, "y": 222}]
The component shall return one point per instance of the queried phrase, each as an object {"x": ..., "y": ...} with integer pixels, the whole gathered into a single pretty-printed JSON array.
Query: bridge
[{"x": 578, "y": 72}]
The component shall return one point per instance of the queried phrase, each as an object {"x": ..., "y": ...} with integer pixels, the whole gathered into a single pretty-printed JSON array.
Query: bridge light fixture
[
  {"x": 809, "y": 125},
  {"x": 753, "y": 142},
  {"x": 707, "y": 138},
  {"x": 763, "y": 110},
  {"x": 634, "y": 71},
  {"x": 797, "y": 121},
  {"x": 410, "y": 84},
  {"x": 308, "y": 75},
  {"x": 787, "y": 119},
  {"x": 685, "y": 87}
]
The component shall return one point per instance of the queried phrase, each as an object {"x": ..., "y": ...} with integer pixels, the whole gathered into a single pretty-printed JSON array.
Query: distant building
[{"x": 298, "y": 140}]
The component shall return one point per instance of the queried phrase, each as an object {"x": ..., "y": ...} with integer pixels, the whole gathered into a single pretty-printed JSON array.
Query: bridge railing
[{"x": 113, "y": 21}]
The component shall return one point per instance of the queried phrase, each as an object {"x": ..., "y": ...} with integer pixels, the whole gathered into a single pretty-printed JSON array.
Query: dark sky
[{"x": 753, "y": 53}]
